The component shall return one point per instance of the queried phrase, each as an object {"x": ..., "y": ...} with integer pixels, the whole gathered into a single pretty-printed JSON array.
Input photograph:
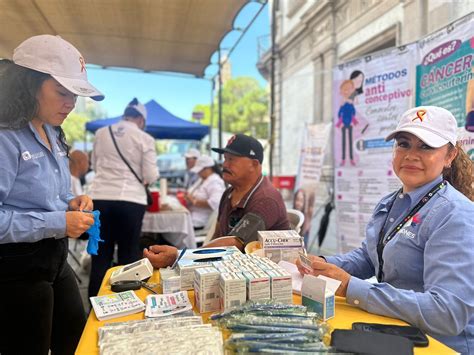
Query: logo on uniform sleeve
[{"x": 26, "y": 155}]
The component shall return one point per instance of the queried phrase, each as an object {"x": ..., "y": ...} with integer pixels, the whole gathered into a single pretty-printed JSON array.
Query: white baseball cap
[
  {"x": 204, "y": 161},
  {"x": 434, "y": 125},
  {"x": 192, "y": 153},
  {"x": 137, "y": 105},
  {"x": 60, "y": 59}
]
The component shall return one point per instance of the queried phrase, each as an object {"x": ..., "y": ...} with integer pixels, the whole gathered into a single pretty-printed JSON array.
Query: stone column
[
  {"x": 329, "y": 63},
  {"x": 318, "y": 88}
]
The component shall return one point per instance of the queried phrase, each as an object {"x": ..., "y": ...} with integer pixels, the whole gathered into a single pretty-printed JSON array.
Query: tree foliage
[
  {"x": 244, "y": 108},
  {"x": 74, "y": 127}
]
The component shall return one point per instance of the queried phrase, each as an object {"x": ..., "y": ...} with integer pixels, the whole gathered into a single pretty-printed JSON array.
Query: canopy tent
[
  {"x": 161, "y": 124},
  {"x": 159, "y": 35}
]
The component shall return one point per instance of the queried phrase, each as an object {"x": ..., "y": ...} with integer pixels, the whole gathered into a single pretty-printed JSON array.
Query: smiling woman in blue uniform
[
  {"x": 40, "y": 304},
  {"x": 420, "y": 240}
]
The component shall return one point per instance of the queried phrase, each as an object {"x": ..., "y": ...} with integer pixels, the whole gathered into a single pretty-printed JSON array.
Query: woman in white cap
[
  {"x": 204, "y": 195},
  {"x": 420, "y": 240},
  {"x": 190, "y": 157},
  {"x": 124, "y": 159},
  {"x": 40, "y": 304}
]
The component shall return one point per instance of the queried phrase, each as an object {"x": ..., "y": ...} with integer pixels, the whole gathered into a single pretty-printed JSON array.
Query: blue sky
[{"x": 179, "y": 95}]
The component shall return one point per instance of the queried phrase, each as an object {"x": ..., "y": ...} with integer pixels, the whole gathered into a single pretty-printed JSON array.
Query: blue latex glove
[{"x": 94, "y": 235}]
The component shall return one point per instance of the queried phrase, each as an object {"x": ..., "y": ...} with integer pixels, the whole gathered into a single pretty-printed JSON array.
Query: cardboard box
[
  {"x": 233, "y": 290},
  {"x": 206, "y": 289},
  {"x": 281, "y": 245},
  {"x": 258, "y": 285},
  {"x": 317, "y": 293},
  {"x": 170, "y": 281},
  {"x": 280, "y": 286},
  {"x": 192, "y": 260}
]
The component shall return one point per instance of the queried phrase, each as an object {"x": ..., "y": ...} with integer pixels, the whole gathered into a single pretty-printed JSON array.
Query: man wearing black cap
[{"x": 249, "y": 192}]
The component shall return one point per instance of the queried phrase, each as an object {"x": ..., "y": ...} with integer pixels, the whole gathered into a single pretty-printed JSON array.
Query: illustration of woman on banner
[{"x": 357, "y": 78}]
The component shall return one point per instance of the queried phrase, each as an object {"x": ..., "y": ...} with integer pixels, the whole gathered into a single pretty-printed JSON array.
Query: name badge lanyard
[{"x": 383, "y": 240}]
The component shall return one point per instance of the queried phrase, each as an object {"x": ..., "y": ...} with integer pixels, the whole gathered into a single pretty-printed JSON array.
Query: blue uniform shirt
[
  {"x": 35, "y": 186},
  {"x": 428, "y": 265}
]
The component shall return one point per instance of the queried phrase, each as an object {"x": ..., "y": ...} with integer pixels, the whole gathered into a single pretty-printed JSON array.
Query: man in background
[
  {"x": 78, "y": 165},
  {"x": 249, "y": 192}
]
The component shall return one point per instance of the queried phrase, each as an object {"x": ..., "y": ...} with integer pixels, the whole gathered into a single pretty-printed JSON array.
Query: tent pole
[
  {"x": 212, "y": 115},
  {"x": 220, "y": 100},
  {"x": 272, "y": 89}
]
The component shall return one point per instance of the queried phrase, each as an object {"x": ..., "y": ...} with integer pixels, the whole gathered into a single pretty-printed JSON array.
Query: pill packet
[{"x": 149, "y": 324}]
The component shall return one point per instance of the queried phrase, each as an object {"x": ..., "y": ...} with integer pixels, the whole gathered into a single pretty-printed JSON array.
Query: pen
[
  {"x": 145, "y": 285},
  {"x": 178, "y": 258}
]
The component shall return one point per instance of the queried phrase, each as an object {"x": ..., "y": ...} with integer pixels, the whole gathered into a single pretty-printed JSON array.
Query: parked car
[{"x": 172, "y": 164}]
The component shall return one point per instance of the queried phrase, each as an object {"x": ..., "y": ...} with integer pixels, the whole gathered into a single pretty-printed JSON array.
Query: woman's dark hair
[
  {"x": 130, "y": 111},
  {"x": 461, "y": 173},
  {"x": 354, "y": 75},
  {"x": 19, "y": 87}
]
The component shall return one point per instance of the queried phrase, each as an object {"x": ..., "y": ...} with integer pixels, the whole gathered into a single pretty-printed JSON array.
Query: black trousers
[
  {"x": 347, "y": 129},
  {"x": 121, "y": 224},
  {"x": 40, "y": 304}
]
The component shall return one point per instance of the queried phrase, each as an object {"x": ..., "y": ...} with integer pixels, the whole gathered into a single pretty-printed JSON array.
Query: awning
[
  {"x": 160, "y": 123},
  {"x": 152, "y": 35}
]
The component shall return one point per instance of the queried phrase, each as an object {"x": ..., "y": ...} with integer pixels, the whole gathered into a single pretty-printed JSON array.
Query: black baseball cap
[{"x": 243, "y": 146}]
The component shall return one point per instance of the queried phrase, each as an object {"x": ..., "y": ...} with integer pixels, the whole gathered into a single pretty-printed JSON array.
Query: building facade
[{"x": 312, "y": 37}]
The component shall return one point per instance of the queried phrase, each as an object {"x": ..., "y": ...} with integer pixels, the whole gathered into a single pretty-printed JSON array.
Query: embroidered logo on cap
[
  {"x": 419, "y": 115},
  {"x": 252, "y": 152},
  {"x": 83, "y": 64},
  {"x": 231, "y": 139}
]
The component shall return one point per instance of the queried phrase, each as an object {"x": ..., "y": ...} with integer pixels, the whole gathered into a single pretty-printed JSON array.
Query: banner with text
[
  {"x": 445, "y": 76},
  {"x": 314, "y": 144},
  {"x": 369, "y": 95}
]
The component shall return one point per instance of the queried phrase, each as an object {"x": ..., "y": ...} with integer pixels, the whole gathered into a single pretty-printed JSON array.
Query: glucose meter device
[{"x": 139, "y": 270}]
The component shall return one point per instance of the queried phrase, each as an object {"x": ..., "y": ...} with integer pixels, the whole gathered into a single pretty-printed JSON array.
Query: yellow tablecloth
[{"x": 345, "y": 316}]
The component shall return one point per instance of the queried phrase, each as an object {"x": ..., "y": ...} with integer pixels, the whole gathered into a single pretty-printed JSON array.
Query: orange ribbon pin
[{"x": 420, "y": 115}]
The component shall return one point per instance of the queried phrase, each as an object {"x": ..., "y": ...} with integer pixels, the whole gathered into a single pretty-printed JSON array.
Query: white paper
[{"x": 296, "y": 277}]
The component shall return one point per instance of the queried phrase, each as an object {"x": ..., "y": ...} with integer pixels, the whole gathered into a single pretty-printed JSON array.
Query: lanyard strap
[{"x": 384, "y": 239}]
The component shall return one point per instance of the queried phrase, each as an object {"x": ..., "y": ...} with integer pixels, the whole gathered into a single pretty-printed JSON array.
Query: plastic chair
[
  {"x": 296, "y": 219},
  {"x": 204, "y": 235}
]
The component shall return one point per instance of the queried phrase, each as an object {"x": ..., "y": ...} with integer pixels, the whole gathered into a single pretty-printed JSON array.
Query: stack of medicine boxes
[{"x": 237, "y": 278}]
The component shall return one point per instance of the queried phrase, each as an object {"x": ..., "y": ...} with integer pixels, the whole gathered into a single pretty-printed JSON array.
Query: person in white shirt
[
  {"x": 205, "y": 194},
  {"x": 117, "y": 193},
  {"x": 78, "y": 166},
  {"x": 190, "y": 177}
]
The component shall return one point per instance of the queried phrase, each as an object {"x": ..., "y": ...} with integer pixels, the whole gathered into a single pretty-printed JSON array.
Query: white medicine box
[{"x": 318, "y": 294}]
